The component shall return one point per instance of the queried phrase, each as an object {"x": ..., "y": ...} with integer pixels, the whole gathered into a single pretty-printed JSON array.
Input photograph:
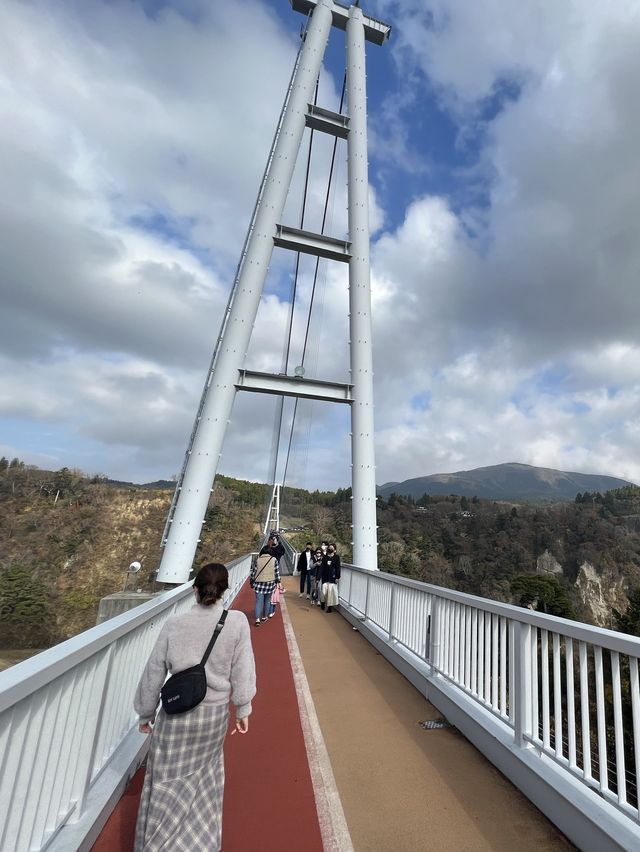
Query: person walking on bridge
[
  {"x": 305, "y": 567},
  {"x": 265, "y": 576},
  {"x": 316, "y": 572},
  {"x": 181, "y": 801},
  {"x": 330, "y": 574}
]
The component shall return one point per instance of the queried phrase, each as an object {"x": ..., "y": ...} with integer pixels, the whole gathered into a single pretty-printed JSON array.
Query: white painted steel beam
[
  {"x": 282, "y": 385},
  {"x": 326, "y": 121},
  {"x": 374, "y": 30},
  {"x": 309, "y": 242},
  {"x": 272, "y": 521},
  {"x": 365, "y": 546},
  {"x": 204, "y": 454}
]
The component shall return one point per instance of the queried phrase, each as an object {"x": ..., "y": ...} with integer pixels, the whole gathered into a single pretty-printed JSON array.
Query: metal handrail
[
  {"x": 67, "y": 719},
  {"x": 569, "y": 691},
  {"x": 547, "y": 689},
  {"x": 291, "y": 554},
  {"x": 622, "y": 642}
]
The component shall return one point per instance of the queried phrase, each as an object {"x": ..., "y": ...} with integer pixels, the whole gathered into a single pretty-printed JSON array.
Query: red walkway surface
[{"x": 268, "y": 800}]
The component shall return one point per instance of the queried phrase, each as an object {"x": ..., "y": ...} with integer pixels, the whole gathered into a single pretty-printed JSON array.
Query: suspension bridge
[{"x": 415, "y": 717}]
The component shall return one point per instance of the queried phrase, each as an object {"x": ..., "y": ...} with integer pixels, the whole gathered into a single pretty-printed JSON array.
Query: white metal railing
[
  {"x": 290, "y": 555},
  {"x": 66, "y": 713},
  {"x": 567, "y": 690}
]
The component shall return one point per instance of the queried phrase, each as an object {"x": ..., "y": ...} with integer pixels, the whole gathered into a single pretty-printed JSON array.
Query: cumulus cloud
[
  {"x": 131, "y": 161},
  {"x": 541, "y": 293},
  {"x": 504, "y": 300}
]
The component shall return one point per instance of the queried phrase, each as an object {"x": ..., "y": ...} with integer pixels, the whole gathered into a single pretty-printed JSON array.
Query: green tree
[
  {"x": 544, "y": 594},
  {"x": 24, "y": 609},
  {"x": 630, "y": 621}
]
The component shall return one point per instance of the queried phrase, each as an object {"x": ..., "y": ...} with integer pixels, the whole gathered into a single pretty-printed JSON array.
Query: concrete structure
[{"x": 120, "y": 602}]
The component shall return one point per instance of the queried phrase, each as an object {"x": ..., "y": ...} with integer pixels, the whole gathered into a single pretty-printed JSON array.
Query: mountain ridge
[{"x": 508, "y": 481}]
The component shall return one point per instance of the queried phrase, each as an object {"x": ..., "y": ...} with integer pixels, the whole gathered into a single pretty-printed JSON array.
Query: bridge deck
[{"x": 401, "y": 787}]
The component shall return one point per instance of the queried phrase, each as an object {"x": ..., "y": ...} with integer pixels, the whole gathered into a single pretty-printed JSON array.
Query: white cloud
[
  {"x": 523, "y": 336},
  {"x": 132, "y": 151}
]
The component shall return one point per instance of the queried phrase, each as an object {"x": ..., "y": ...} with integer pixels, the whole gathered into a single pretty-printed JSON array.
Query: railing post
[
  {"x": 392, "y": 612},
  {"x": 434, "y": 636},
  {"x": 86, "y": 739},
  {"x": 522, "y": 687},
  {"x": 86, "y": 783},
  {"x": 366, "y": 599}
]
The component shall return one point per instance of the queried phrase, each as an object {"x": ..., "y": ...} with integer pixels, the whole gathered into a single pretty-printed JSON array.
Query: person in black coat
[
  {"x": 330, "y": 574},
  {"x": 305, "y": 567},
  {"x": 316, "y": 572},
  {"x": 273, "y": 547}
]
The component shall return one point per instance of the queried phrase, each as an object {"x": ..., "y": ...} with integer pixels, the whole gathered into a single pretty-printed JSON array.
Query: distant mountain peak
[{"x": 508, "y": 481}]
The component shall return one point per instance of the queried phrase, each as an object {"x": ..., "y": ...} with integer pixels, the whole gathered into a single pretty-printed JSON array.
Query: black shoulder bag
[{"x": 186, "y": 689}]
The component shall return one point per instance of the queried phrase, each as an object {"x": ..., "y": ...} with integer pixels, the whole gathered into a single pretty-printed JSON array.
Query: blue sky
[{"x": 504, "y": 144}]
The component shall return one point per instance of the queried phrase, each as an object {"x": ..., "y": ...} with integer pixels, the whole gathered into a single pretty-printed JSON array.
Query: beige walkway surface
[{"x": 403, "y": 787}]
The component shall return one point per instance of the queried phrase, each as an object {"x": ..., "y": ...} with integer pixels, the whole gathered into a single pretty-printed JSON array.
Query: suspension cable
[
  {"x": 315, "y": 280},
  {"x": 297, "y": 266},
  {"x": 277, "y": 432}
]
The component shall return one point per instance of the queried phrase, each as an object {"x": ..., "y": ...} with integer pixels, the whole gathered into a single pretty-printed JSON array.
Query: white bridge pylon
[
  {"x": 273, "y": 512},
  {"x": 227, "y": 374}
]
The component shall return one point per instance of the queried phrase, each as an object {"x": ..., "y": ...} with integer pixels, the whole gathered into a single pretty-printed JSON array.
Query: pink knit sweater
[{"x": 230, "y": 669}]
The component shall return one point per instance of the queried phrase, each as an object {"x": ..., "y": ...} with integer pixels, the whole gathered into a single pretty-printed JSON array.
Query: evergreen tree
[
  {"x": 630, "y": 621},
  {"x": 544, "y": 594},
  {"x": 24, "y": 609}
]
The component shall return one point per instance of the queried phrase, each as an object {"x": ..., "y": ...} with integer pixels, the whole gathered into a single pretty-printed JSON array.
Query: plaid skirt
[{"x": 181, "y": 801}]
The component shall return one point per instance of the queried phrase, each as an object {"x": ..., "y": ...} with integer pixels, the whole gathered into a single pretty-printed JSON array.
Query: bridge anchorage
[{"x": 227, "y": 373}]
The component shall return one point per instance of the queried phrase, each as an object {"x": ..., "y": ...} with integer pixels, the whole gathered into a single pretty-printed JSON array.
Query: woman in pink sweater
[{"x": 181, "y": 802}]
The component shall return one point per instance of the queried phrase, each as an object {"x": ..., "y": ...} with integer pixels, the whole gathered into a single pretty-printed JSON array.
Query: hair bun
[{"x": 211, "y": 581}]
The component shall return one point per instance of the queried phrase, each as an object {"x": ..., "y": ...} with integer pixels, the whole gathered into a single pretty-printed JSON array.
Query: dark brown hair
[{"x": 211, "y": 581}]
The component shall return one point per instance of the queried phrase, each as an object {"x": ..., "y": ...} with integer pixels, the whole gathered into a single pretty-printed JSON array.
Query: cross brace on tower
[{"x": 227, "y": 374}]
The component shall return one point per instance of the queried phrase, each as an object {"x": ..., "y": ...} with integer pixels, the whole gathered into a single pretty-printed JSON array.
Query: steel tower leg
[
  {"x": 365, "y": 547},
  {"x": 273, "y": 512},
  {"x": 184, "y": 532}
]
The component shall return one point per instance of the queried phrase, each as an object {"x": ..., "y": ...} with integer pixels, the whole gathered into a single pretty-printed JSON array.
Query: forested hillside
[
  {"x": 578, "y": 560},
  {"x": 66, "y": 540}
]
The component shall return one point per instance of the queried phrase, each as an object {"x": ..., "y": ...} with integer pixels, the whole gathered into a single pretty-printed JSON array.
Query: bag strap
[
  {"x": 216, "y": 633},
  {"x": 271, "y": 556}
]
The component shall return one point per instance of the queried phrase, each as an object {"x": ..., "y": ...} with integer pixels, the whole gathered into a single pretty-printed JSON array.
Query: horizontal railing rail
[
  {"x": 566, "y": 690},
  {"x": 290, "y": 557},
  {"x": 67, "y": 713}
]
